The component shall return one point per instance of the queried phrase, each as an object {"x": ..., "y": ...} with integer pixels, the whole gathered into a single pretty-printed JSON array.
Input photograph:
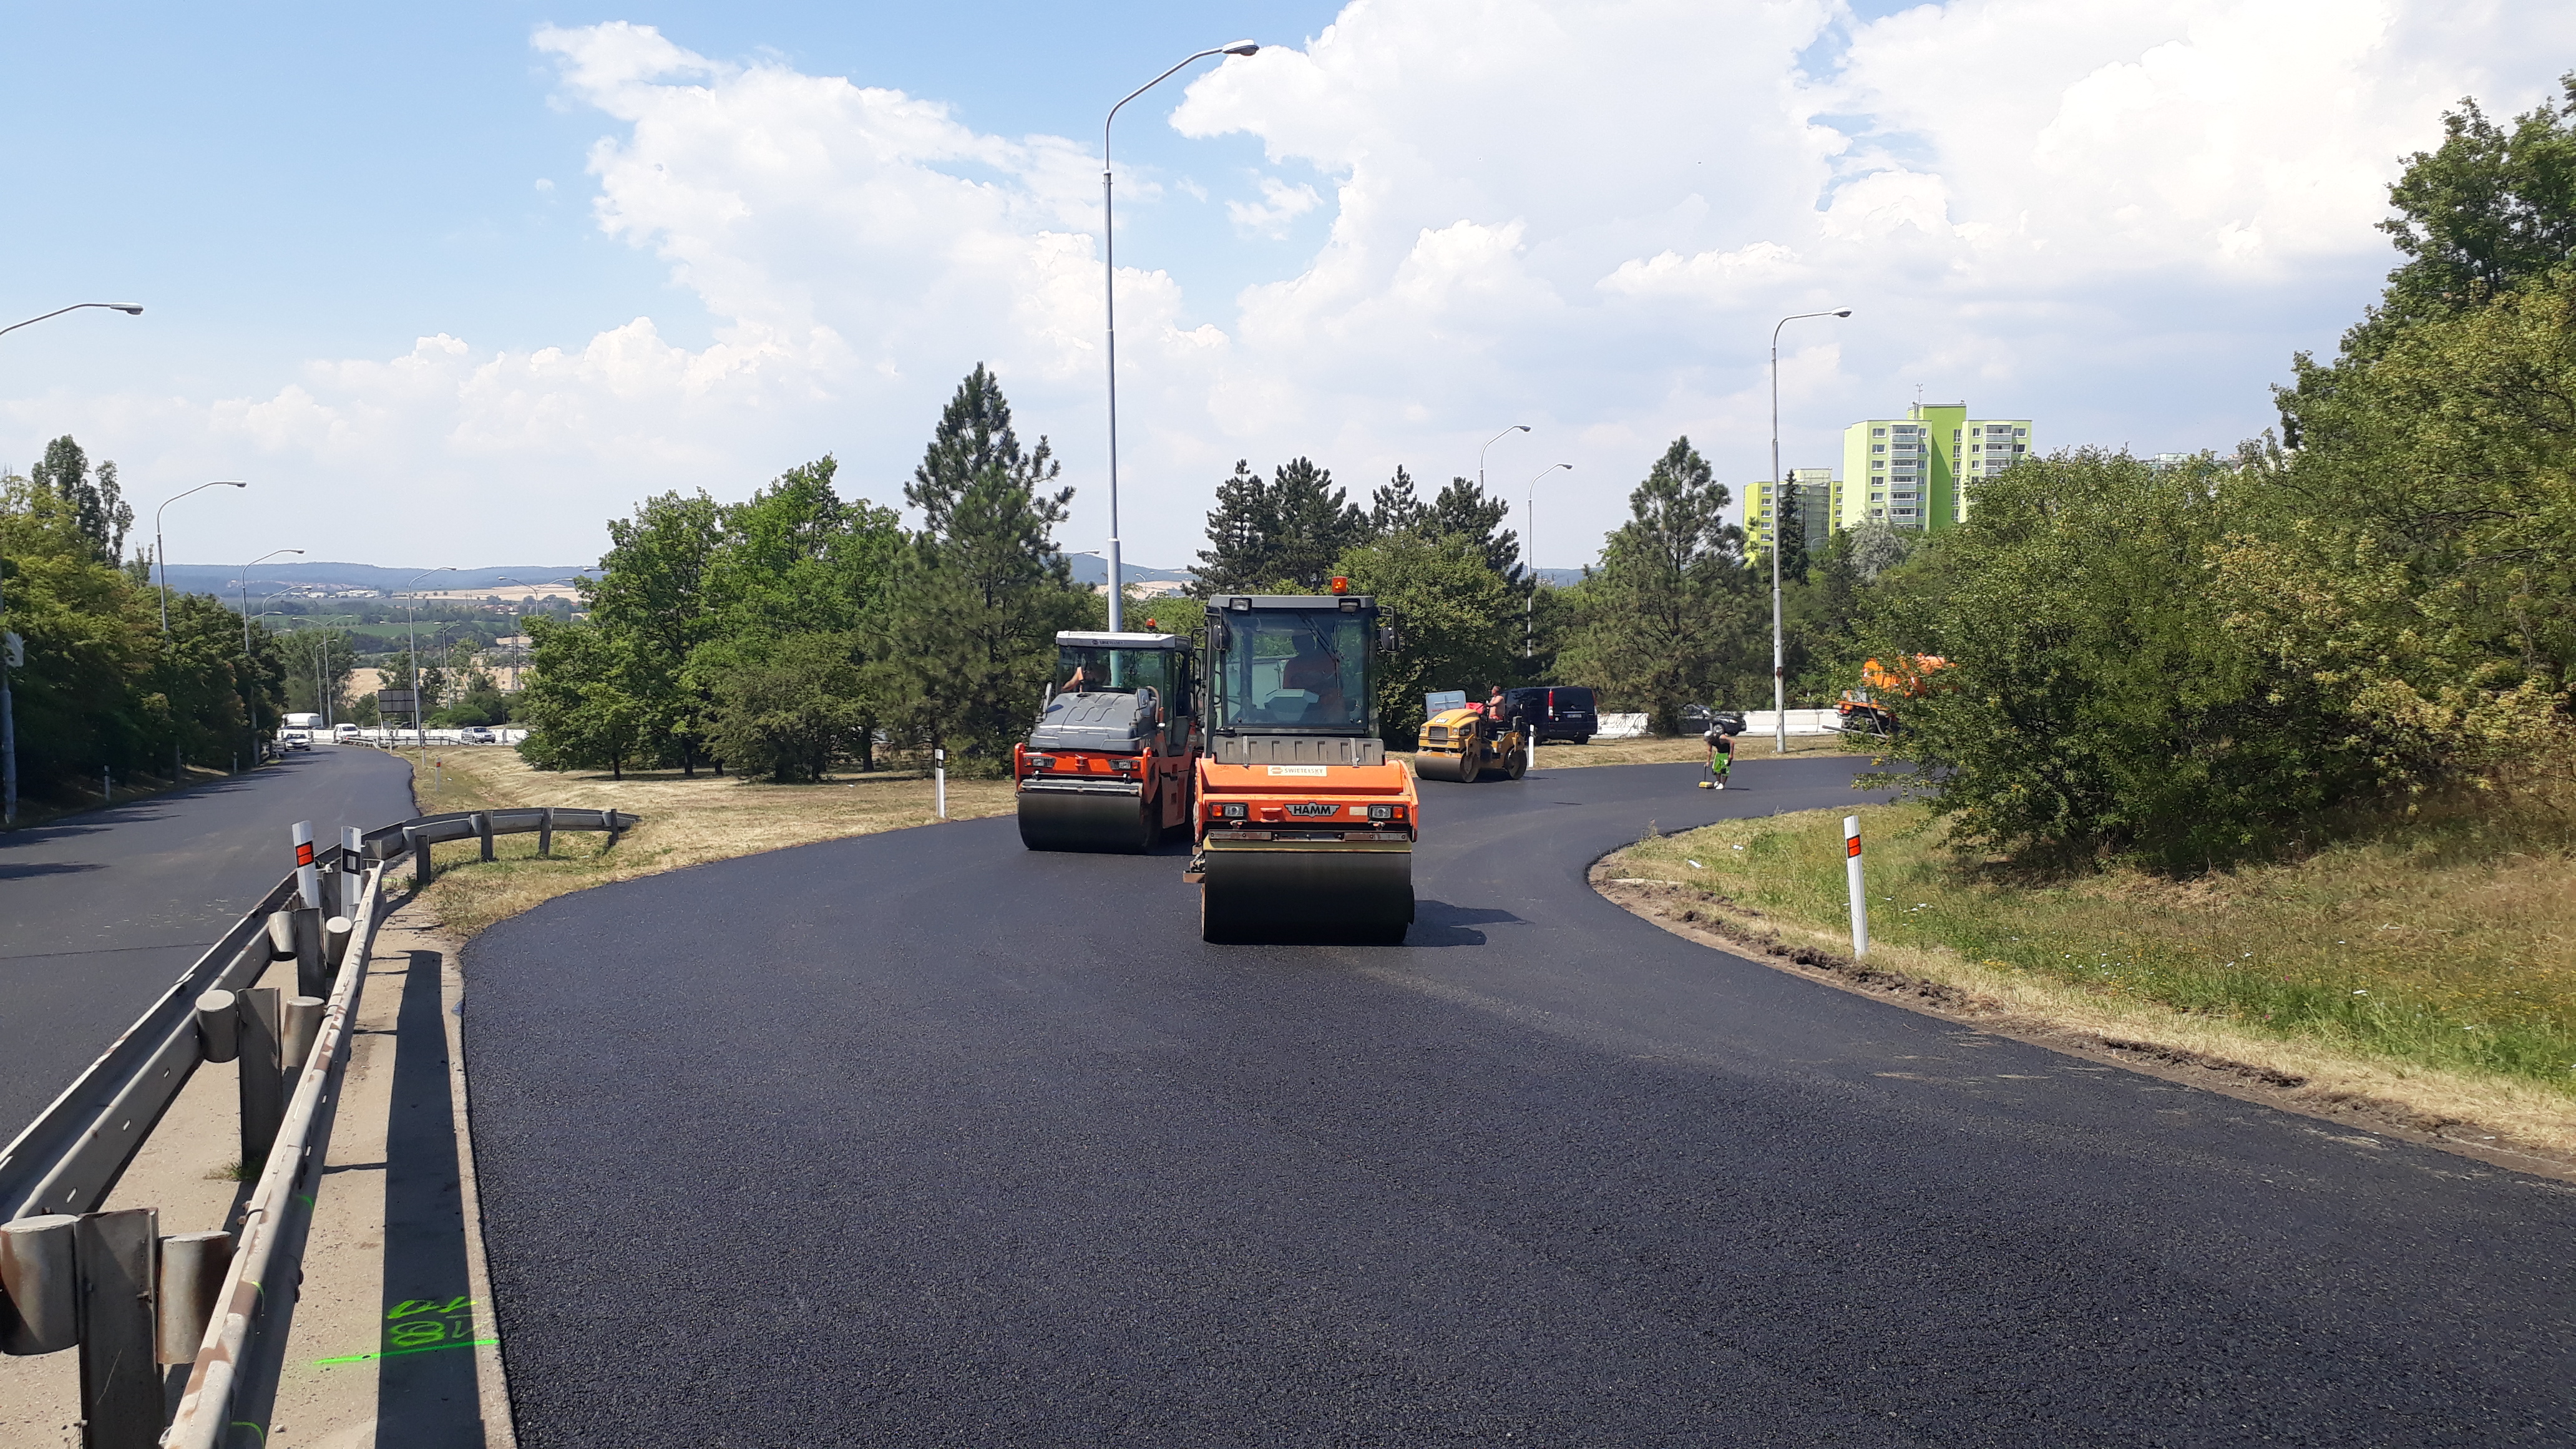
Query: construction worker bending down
[{"x": 1721, "y": 757}]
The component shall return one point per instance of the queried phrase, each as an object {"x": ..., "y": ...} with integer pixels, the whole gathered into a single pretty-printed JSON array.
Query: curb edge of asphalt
[
  {"x": 491, "y": 1378},
  {"x": 1929, "y": 998}
]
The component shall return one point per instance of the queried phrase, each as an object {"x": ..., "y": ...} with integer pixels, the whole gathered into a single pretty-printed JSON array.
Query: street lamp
[
  {"x": 1109, "y": 273},
  {"x": 244, "y": 584},
  {"x": 8, "y": 712},
  {"x": 131, "y": 309},
  {"x": 322, "y": 660},
  {"x": 1489, "y": 442},
  {"x": 1779, "y": 657},
  {"x": 411, "y": 618},
  {"x": 519, "y": 652},
  {"x": 160, "y": 551},
  {"x": 1529, "y": 532}
]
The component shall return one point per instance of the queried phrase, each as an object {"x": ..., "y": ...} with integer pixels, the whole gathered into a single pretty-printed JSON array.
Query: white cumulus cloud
[{"x": 2114, "y": 216}]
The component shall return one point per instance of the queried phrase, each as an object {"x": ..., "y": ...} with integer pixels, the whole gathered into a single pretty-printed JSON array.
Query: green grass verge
[{"x": 2447, "y": 944}]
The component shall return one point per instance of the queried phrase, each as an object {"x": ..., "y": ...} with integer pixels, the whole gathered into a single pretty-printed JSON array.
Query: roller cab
[
  {"x": 1305, "y": 827},
  {"x": 1107, "y": 765},
  {"x": 1462, "y": 745}
]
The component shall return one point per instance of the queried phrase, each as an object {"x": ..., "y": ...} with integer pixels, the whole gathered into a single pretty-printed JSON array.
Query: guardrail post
[
  {"x": 546, "y": 831},
  {"x": 483, "y": 831},
  {"x": 281, "y": 935},
  {"x": 335, "y": 941},
  {"x": 39, "y": 1285},
  {"x": 303, "y": 1024},
  {"x": 310, "y": 978},
  {"x": 192, "y": 1276},
  {"x": 263, "y": 1089},
  {"x": 608, "y": 821},
  {"x": 219, "y": 1026},
  {"x": 119, "y": 1331},
  {"x": 418, "y": 845}
]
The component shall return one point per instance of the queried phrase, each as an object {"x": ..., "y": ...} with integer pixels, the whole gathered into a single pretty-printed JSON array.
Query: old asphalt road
[
  {"x": 100, "y": 912},
  {"x": 923, "y": 1139}
]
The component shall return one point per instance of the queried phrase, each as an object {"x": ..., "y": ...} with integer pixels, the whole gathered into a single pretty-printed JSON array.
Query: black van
[{"x": 1554, "y": 711}]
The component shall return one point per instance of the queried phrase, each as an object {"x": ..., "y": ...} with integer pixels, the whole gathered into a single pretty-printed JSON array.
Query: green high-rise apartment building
[
  {"x": 1814, "y": 490},
  {"x": 1921, "y": 470}
]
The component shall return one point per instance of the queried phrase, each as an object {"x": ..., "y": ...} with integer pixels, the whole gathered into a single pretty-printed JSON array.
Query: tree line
[
  {"x": 2192, "y": 665},
  {"x": 787, "y": 633},
  {"x": 105, "y": 686},
  {"x": 784, "y": 634}
]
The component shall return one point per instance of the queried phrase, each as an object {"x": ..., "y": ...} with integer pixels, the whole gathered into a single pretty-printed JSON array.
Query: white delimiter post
[
  {"x": 939, "y": 779},
  {"x": 1851, "y": 875},
  {"x": 308, "y": 877}
]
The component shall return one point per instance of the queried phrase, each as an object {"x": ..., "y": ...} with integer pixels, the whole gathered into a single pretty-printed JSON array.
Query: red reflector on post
[
  {"x": 304, "y": 853},
  {"x": 1851, "y": 845}
]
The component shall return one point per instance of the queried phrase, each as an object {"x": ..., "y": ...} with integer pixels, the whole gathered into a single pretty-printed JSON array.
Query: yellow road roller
[{"x": 1464, "y": 746}]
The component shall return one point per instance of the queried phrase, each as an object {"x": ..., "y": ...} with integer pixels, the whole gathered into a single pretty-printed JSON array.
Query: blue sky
[{"x": 2119, "y": 219}]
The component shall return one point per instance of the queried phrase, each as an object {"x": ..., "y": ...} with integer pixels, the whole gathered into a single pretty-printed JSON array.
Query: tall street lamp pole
[
  {"x": 1779, "y": 655},
  {"x": 411, "y": 617},
  {"x": 131, "y": 309},
  {"x": 1489, "y": 442},
  {"x": 250, "y": 701},
  {"x": 161, "y": 552},
  {"x": 244, "y": 584},
  {"x": 1529, "y": 543},
  {"x": 8, "y": 708},
  {"x": 1109, "y": 273}
]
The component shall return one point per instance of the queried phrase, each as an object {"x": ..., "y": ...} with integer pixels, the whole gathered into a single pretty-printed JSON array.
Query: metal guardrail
[
  {"x": 69, "y": 1158},
  {"x": 108, "y": 1282},
  {"x": 391, "y": 842},
  {"x": 238, "y": 1358}
]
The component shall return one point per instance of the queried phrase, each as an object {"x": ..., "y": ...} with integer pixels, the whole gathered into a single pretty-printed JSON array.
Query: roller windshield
[
  {"x": 1295, "y": 669},
  {"x": 1093, "y": 669}
]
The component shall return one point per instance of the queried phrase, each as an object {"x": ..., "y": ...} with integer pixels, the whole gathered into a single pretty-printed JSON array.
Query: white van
[{"x": 303, "y": 720}]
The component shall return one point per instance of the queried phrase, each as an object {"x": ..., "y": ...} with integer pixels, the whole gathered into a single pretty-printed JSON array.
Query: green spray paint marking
[
  {"x": 422, "y": 1325},
  {"x": 400, "y": 1352}
]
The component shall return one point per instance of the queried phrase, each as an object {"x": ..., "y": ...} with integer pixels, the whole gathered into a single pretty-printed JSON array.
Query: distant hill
[
  {"x": 291, "y": 573},
  {"x": 1091, "y": 568}
]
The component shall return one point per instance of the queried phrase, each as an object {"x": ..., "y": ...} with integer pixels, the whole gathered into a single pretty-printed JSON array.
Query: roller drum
[
  {"x": 1428, "y": 766},
  {"x": 1066, "y": 820},
  {"x": 1348, "y": 894}
]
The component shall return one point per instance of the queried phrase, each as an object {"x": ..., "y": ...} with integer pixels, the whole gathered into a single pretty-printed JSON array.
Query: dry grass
[
  {"x": 2435, "y": 973},
  {"x": 1682, "y": 749},
  {"x": 686, "y": 822}
]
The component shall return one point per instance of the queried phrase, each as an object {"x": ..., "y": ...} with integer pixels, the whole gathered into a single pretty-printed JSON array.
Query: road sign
[{"x": 393, "y": 701}]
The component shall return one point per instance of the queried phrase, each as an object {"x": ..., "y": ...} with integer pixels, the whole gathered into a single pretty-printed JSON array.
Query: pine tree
[
  {"x": 1286, "y": 532},
  {"x": 1463, "y": 511},
  {"x": 1396, "y": 508},
  {"x": 1789, "y": 529},
  {"x": 1668, "y": 621},
  {"x": 976, "y": 599}
]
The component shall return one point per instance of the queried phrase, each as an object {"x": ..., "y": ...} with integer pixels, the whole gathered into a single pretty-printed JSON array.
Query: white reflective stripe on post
[
  {"x": 308, "y": 879},
  {"x": 1851, "y": 874}
]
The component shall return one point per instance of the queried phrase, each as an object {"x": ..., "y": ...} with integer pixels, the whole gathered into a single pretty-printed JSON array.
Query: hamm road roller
[
  {"x": 1305, "y": 827},
  {"x": 1107, "y": 766}
]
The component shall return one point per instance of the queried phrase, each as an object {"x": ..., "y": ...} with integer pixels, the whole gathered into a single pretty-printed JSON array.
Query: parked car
[
  {"x": 1555, "y": 711},
  {"x": 476, "y": 735}
]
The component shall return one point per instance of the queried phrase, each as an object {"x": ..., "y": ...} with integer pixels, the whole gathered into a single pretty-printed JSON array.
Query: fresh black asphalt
[
  {"x": 921, "y": 1138},
  {"x": 100, "y": 912}
]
